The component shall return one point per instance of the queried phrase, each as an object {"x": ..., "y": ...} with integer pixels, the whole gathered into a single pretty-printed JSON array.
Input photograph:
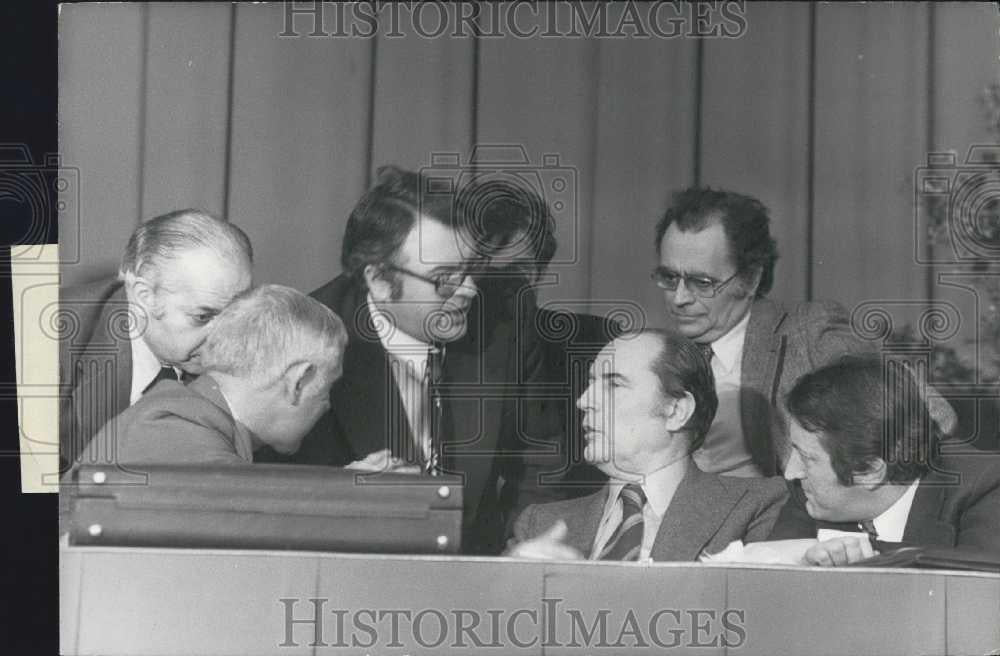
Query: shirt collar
[
  {"x": 659, "y": 486},
  {"x": 728, "y": 348},
  {"x": 145, "y": 365},
  {"x": 891, "y": 524}
]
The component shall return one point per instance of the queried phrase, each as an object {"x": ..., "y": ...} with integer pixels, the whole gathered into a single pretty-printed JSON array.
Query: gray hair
[
  {"x": 267, "y": 328},
  {"x": 166, "y": 237}
]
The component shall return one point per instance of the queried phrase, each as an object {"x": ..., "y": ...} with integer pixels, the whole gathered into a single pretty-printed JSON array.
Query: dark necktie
[
  {"x": 706, "y": 350},
  {"x": 165, "y": 373},
  {"x": 626, "y": 542},
  {"x": 868, "y": 526},
  {"x": 169, "y": 373},
  {"x": 433, "y": 375}
]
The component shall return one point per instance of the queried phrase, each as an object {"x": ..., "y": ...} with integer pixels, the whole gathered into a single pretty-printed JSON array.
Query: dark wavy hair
[
  {"x": 501, "y": 212},
  {"x": 744, "y": 220},
  {"x": 680, "y": 367},
  {"x": 384, "y": 216},
  {"x": 865, "y": 409}
]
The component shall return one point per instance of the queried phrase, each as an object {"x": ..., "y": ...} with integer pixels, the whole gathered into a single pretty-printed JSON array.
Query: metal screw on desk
[
  {"x": 95, "y": 530},
  {"x": 442, "y": 541},
  {"x": 100, "y": 477},
  {"x": 444, "y": 491}
]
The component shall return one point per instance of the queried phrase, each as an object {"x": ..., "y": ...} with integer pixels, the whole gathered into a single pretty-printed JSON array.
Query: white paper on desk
[
  {"x": 829, "y": 533},
  {"x": 775, "y": 552}
]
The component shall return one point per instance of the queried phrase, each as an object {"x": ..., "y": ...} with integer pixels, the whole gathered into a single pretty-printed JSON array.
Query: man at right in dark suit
[{"x": 867, "y": 459}]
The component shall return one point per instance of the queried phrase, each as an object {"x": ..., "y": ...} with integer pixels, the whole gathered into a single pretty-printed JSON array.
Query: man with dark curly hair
[{"x": 716, "y": 266}]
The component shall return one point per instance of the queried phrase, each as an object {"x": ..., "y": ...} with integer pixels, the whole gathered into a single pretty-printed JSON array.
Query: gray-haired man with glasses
[{"x": 716, "y": 265}]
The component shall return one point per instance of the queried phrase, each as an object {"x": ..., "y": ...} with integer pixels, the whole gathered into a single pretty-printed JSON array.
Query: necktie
[
  {"x": 626, "y": 542},
  {"x": 433, "y": 375},
  {"x": 166, "y": 373},
  {"x": 868, "y": 526},
  {"x": 706, "y": 350}
]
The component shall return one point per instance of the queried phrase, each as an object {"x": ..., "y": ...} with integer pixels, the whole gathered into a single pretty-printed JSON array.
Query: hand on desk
[
  {"x": 837, "y": 552},
  {"x": 547, "y": 546},
  {"x": 383, "y": 461}
]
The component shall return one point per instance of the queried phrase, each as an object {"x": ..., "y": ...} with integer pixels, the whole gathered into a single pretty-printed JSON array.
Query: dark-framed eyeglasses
[
  {"x": 701, "y": 286},
  {"x": 445, "y": 283}
]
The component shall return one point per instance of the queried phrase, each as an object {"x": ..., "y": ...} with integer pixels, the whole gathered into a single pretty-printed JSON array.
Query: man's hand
[
  {"x": 837, "y": 552},
  {"x": 383, "y": 461},
  {"x": 547, "y": 546}
]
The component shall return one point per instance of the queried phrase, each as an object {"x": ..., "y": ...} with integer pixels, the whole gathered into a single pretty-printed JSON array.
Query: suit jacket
[
  {"x": 783, "y": 342},
  {"x": 174, "y": 423},
  {"x": 95, "y": 362},
  {"x": 479, "y": 417},
  {"x": 706, "y": 513},
  {"x": 956, "y": 505}
]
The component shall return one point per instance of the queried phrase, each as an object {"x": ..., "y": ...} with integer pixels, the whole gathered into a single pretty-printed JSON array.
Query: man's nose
[
  {"x": 682, "y": 295},
  {"x": 584, "y": 402},
  {"x": 793, "y": 468}
]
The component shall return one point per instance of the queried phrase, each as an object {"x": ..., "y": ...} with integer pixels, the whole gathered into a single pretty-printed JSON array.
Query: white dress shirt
[
  {"x": 408, "y": 360},
  {"x": 890, "y": 525},
  {"x": 725, "y": 450},
  {"x": 145, "y": 367},
  {"x": 659, "y": 488}
]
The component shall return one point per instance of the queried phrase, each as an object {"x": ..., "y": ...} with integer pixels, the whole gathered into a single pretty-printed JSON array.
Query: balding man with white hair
[
  {"x": 268, "y": 364},
  {"x": 123, "y": 336}
]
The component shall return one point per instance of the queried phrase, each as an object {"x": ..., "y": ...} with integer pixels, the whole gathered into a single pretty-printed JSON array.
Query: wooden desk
[{"x": 171, "y": 601}]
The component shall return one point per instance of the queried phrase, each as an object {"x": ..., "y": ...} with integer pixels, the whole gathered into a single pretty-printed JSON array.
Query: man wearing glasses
[
  {"x": 716, "y": 265},
  {"x": 405, "y": 401}
]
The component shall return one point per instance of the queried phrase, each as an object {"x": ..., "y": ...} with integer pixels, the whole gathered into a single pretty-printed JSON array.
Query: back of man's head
[
  {"x": 865, "y": 409},
  {"x": 382, "y": 219},
  {"x": 166, "y": 238},
  {"x": 681, "y": 368},
  {"x": 268, "y": 328},
  {"x": 503, "y": 214},
  {"x": 745, "y": 222}
]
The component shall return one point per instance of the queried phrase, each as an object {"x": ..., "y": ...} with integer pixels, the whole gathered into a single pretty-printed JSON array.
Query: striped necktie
[
  {"x": 433, "y": 375},
  {"x": 706, "y": 350},
  {"x": 626, "y": 542}
]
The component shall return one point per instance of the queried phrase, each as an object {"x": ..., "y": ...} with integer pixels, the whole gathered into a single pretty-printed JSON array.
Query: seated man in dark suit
[
  {"x": 268, "y": 364},
  {"x": 650, "y": 400},
  {"x": 405, "y": 395},
  {"x": 179, "y": 270},
  {"x": 865, "y": 461}
]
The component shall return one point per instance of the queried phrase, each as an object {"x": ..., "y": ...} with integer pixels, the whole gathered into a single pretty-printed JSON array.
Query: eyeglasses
[
  {"x": 698, "y": 285},
  {"x": 445, "y": 283}
]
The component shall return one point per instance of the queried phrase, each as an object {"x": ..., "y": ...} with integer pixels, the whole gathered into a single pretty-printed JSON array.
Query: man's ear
[
  {"x": 874, "y": 476},
  {"x": 679, "y": 411},
  {"x": 296, "y": 378},
  {"x": 378, "y": 285}
]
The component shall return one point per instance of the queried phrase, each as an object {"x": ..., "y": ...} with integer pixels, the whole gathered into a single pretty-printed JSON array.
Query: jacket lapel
[
  {"x": 762, "y": 352},
  {"x": 698, "y": 509},
  {"x": 105, "y": 369},
  {"x": 366, "y": 400},
  {"x": 581, "y": 526}
]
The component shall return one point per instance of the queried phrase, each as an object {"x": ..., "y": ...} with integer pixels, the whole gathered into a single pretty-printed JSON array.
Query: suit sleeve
[
  {"x": 979, "y": 522},
  {"x": 773, "y": 496}
]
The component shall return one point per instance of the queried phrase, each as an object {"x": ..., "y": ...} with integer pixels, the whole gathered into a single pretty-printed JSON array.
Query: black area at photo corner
[{"x": 28, "y": 118}]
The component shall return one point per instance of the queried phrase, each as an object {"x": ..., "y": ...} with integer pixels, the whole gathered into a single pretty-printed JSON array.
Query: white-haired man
[
  {"x": 179, "y": 270},
  {"x": 268, "y": 364}
]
